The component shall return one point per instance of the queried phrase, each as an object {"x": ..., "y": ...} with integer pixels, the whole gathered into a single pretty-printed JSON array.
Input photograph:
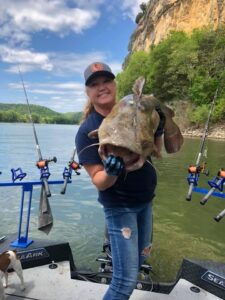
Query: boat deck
[{"x": 43, "y": 283}]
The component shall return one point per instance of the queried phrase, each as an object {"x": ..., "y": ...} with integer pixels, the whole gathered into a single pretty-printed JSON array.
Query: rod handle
[
  {"x": 46, "y": 186},
  {"x": 63, "y": 191},
  {"x": 220, "y": 216},
  {"x": 206, "y": 197},
  {"x": 189, "y": 194}
]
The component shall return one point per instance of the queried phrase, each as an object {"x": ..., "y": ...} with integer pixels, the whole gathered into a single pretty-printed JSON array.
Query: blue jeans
[{"x": 130, "y": 233}]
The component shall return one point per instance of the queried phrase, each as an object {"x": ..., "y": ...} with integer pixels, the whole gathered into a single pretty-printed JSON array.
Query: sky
[{"x": 52, "y": 41}]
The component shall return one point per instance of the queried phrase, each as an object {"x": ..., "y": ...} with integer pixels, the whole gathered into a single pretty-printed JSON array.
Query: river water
[{"x": 182, "y": 229}]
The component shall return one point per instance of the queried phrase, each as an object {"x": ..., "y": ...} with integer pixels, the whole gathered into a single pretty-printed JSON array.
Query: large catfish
[{"x": 128, "y": 131}]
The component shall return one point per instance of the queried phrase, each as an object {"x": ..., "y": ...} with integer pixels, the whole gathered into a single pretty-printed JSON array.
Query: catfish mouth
[{"x": 132, "y": 160}]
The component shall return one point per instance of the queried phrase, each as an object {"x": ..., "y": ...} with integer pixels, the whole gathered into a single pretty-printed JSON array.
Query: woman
[{"x": 126, "y": 198}]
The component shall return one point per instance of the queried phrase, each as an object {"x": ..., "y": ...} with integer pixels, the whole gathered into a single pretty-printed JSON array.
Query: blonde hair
[{"x": 89, "y": 107}]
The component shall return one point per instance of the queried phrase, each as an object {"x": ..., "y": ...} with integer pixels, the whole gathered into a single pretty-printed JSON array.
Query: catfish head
[{"x": 128, "y": 130}]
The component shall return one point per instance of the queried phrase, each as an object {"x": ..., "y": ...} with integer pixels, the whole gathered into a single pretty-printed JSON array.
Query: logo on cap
[{"x": 97, "y": 67}]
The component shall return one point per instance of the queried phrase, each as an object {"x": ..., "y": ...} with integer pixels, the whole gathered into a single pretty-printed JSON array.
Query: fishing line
[
  {"x": 42, "y": 164},
  {"x": 30, "y": 116},
  {"x": 89, "y": 146}
]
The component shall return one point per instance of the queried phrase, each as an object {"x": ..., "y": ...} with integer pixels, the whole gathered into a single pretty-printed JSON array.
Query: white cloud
[
  {"x": 61, "y": 64},
  {"x": 90, "y": 3},
  {"x": 132, "y": 7},
  {"x": 20, "y": 18},
  {"x": 61, "y": 97},
  {"x": 129, "y": 7},
  {"x": 70, "y": 63},
  {"x": 25, "y": 59}
]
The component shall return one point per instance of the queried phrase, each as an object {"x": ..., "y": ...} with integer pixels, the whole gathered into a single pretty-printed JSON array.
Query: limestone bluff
[{"x": 162, "y": 16}]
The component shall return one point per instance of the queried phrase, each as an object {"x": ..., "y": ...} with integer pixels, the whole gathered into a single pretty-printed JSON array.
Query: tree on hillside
[
  {"x": 209, "y": 72},
  {"x": 18, "y": 113},
  {"x": 10, "y": 116},
  {"x": 143, "y": 7},
  {"x": 182, "y": 67},
  {"x": 171, "y": 67},
  {"x": 138, "y": 66}
]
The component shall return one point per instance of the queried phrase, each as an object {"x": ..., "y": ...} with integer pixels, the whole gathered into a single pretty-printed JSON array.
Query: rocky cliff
[{"x": 162, "y": 16}]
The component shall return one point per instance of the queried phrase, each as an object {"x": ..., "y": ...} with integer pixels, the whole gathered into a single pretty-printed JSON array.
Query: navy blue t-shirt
[{"x": 131, "y": 188}]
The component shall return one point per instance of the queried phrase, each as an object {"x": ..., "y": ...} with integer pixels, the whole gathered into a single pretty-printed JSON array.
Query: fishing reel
[
  {"x": 44, "y": 162},
  {"x": 72, "y": 165},
  {"x": 194, "y": 172},
  {"x": 75, "y": 166},
  {"x": 193, "y": 169},
  {"x": 221, "y": 173},
  {"x": 218, "y": 181},
  {"x": 106, "y": 259}
]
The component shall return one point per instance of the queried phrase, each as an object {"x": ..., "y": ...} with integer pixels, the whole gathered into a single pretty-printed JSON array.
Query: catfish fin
[
  {"x": 138, "y": 86},
  {"x": 173, "y": 138},
  {"x": 168, "y": 111},
  {"x": 93, "y": 134}
]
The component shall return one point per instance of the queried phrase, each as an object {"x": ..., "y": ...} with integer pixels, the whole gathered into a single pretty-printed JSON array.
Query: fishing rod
[
  {"x": 42, "y": 164},
  {"x": 220, "y": 216},
  {"x": 72, "y": 165},
  {"x": 216, "y": 184},
  {"x": 195, "y": 170}
]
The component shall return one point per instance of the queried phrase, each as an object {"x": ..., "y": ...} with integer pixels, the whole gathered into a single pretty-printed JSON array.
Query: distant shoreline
[
  {"x": 215, "y": 132},
  {"x": 28, "y": 123}
]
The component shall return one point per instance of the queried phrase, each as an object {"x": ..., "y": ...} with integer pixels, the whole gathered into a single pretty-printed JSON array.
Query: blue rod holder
[
  {"x": 22, "y": 240},
  {"x": 205, "y": 191}
]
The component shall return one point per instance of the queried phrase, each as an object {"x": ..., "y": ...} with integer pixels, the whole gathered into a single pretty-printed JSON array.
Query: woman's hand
[
  {"x": 104, "y": 176},
  {"x": 113, "y": 165}
]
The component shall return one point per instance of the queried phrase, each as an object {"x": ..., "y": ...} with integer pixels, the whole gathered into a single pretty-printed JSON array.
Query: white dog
[{"x": 8, "y": 260}]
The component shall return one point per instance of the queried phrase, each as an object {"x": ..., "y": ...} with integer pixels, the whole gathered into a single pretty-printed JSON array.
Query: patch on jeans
[{"x": 126, "y": 232}]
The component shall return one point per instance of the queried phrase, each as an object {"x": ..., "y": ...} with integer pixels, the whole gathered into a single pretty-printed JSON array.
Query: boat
[{"x": 50, "y": 273}]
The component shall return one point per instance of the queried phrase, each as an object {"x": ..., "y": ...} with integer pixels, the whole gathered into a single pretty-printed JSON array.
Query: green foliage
[
  {"x": 219, "y": 111},
  {"x": 200, "y": 114},
  {"x": 19, "y": 113},
  {"x": 202, "y": 89},
  {"x": 143, "y": 7},
  {"x": 137, "y": 66},
  {"x": 182, "y": 67},
  {"x": 138, "y": 17},
  {"x": 170, "y": 63},
  {"x": 10, "y": 116}
]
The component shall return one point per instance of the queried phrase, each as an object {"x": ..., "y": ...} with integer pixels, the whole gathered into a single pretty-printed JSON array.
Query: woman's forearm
[
  {"x": 99, "y": 177},
  {"x": 103, "y": 181}
]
